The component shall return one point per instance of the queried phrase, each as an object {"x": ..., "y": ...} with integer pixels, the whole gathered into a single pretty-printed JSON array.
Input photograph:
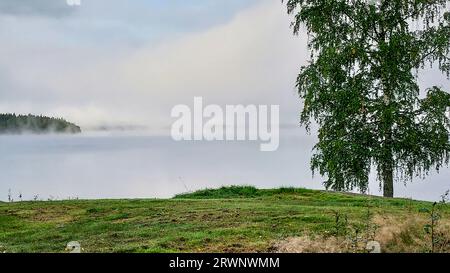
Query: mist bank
[{"x": 31, "y": 124}]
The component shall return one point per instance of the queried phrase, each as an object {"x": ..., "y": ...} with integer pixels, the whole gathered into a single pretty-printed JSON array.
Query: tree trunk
[
  {"x": 388, "y": 162},
  {"x": 388, "y": 182},
  {"x": 387, "y": 170}
]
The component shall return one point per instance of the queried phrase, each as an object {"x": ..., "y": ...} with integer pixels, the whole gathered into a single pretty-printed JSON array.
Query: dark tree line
[{"x": 16, "y": 124}]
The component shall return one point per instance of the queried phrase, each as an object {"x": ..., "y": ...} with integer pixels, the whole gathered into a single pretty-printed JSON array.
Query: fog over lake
[{"x": 134, "y": 165}]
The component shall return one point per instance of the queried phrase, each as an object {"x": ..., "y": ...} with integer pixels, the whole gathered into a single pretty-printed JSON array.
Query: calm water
[{"x": 137, "y": 166}]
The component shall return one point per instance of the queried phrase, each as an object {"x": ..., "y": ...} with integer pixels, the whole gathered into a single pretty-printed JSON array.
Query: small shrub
[
  {"x": 438, "y": 239},
  {"x": 222, "y": 193}
]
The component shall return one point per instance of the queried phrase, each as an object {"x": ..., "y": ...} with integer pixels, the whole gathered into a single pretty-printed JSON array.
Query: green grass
[
  {"x": 239, "y": 192},
  {"x": 232, "y": 219}
]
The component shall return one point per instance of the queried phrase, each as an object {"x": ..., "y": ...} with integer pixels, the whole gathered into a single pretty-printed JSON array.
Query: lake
[{"x": 136, "y": 165}]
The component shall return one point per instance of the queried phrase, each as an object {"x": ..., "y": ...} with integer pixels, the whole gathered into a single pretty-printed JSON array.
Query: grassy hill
[{"x": 233, "y": 219}]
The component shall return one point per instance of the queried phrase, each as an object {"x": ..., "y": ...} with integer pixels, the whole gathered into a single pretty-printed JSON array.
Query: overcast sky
[{"x": 115, "y": 62}]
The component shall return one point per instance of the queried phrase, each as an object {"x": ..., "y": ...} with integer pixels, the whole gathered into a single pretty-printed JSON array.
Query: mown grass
[{"x": 232, "y": 219}]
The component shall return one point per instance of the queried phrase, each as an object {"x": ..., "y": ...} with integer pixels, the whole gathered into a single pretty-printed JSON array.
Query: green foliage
[
  {"x": 224, "y": 192},
  {"x": 438, "y": 239},
  {"x": 355, "y": 235},
  {"x": 237, "y": 192},
  {"x": 361, "y": 87},
  {"x": 16, "y": 124},
  {"x": 341, "y": 227}
]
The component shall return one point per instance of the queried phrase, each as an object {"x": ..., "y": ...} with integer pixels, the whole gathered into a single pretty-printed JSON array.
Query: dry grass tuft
[
  {"x": 396, "y": 234},
  {"x": 309, "y": 244}
]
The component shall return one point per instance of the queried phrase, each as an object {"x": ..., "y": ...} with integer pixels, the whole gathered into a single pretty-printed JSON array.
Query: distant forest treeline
[{"x": 17, "y": 124}]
